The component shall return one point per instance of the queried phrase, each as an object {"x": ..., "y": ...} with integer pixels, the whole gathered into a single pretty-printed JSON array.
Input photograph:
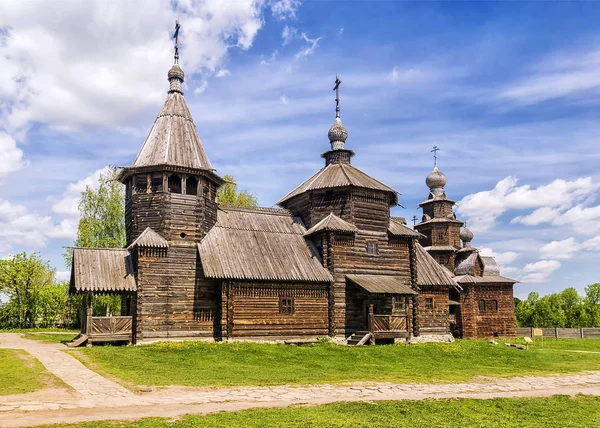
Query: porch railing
[{"x": 108, "y": 328}]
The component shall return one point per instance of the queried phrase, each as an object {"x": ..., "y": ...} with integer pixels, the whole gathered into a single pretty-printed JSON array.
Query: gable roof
[
  {"x": 173, "y": 139},
  {"x": 430, "y": 272},
  {"x": 149, "y": 238},
  {"x": 102, "y": 270},
  {"x": 260, "y": 244},
  {"x": 381, "y": 284},
  {"x": 492, "y": 279},
  {"x": 332, "y": 223},
  {"x": 339, "y": 175},
  {"x": 396, "y": 228}
]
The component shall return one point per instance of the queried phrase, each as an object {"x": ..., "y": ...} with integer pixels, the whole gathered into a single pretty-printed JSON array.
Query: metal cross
[
  {"x": 434, "y": 151},
  {"x": 414, "y": 219},
  {"x": 336, "y": 88},
  {"x": 465, "y": 224},
  {"x": 176, "y": 37}
]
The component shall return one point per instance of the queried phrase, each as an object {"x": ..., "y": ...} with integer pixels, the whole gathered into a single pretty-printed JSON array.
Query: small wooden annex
[{"x": 330, "y": 262}]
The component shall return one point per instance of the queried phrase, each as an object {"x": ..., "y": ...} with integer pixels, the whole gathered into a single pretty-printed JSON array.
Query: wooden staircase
[
  {"x": 359, "y": 338},
  {"x": 78, "y": 341}
]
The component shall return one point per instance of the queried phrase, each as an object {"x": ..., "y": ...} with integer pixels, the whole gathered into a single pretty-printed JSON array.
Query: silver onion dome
[
  {"x": 337, "y": 135},
  {"x": 436, "y": 179},
  {"x": 466, "y": 236}
]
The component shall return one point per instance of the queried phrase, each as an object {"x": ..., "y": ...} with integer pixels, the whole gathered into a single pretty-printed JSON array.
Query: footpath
[{"x": 92, "y": 397}]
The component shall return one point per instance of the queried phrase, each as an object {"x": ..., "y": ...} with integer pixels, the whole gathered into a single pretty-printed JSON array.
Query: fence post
[
  {"x": 581, "y": 331},
  {"x": 531, "y": 332},
  {"x": 556, "y": 332}
]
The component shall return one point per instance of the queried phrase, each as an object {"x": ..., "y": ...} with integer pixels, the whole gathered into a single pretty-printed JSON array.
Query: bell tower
[{"x": 439, "y": 223}]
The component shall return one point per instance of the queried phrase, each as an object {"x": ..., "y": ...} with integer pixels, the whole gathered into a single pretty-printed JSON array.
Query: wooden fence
[{"x": 562, "y": 333}]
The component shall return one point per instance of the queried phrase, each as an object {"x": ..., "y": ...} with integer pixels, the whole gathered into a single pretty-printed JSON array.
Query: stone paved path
[{"x": 96, "y": 398}]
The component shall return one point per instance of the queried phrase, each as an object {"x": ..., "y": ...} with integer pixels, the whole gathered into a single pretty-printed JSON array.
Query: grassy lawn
[
  {"x": 38, "y": 330},
  {"x": 51, "y": 337},
  {"x": 557, "y": 411},
  {"x": 228, "y": 364},
  {"x": 21, "y": 373}
]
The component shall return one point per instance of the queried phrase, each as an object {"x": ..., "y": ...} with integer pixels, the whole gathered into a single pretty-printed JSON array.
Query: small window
[
  {"x": 442, "y": 260},
  {"x": 428, "y": 304},
  {"x": 141, "y": 184},
  {"x": 286, "y": 305},
  {"x": 191, "y": 186},
  {"x": 440, "y": 236},
  {"x": 175, "y": 184},
  {"x": 156, "y": 185},
  {"x": 372, "y": 248},
  {"x": 495, "y": 305},
  {"x": 399, "y": 304},
  {"x": 482, "y": 305}
]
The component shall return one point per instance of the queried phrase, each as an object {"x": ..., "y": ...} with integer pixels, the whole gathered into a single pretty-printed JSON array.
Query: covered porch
[
  {"x": 94, "y": 272},
  {"x": 387, "y": 303}
]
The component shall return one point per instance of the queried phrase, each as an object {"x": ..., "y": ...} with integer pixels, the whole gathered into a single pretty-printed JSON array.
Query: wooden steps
[
  {"x": 81, "y": 339},
  {"x": 359, "y": 338}
]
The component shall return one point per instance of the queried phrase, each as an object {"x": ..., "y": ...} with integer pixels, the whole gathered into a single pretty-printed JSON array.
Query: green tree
[
  {"x": 572, "y": 305},
  {"x": 102, "y": 225},
  {"x": 228, "y": 194},
  {"x": 592, "y": 304},
  {"x": 23, "y": 279}
]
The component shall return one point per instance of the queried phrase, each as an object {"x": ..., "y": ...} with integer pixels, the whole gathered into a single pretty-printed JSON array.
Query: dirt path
[{"x": 96, "y": 398}]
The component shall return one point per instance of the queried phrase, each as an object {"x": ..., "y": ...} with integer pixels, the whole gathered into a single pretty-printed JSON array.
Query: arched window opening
[
  {"x": 191, "y": 186},
  {"x": 156, "y": 185},
  {"x": 141, "y": 184},
  {"x": 482, "y": 305},
  {"x": 175, "y": 183},
  {"x": 495, "y": 305}
]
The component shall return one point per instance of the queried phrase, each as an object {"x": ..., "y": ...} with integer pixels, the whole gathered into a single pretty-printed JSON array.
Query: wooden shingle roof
[
  {"x": 332, "y": 223},
  {"x": 430, "y": 272},
  {"x": 382, "y": 284},
  {"x": 337, "y": 175},
  {"x": 262, "y": 245},
  {"x": 173, "y": 139},
  {"x": 492, "y": 279},
  {"x": 396, "y": 228},
  {"x": 102, "y": 270},
  {"x": 150, "y": 239}
]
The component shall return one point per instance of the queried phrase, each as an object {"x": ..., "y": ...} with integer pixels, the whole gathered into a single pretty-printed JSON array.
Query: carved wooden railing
[
  {"x": 109, "y": 328},
  {"x": 379, "y": 323}
]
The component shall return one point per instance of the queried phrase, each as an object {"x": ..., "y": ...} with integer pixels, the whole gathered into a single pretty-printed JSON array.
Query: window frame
[
  {"x": 398, "y": 304},
  {"x": 429, "y": 304},
  {"x": 287, "y": 305},
  {"x": 372, "y": 248},
  {"x": 482, "y": 307},
  {"x": 494, "y": 305}
]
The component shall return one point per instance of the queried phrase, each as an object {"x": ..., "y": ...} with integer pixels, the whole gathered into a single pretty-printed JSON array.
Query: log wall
[
  {"x": 478, "y": 324},
  {"x": 436, "y": 320}
]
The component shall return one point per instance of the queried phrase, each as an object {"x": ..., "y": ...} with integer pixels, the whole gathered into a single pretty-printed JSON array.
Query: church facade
[{"x": 330, "y": 262}]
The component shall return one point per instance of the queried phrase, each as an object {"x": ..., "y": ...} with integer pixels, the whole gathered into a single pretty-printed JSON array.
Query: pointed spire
[
  {"x": 176, "y": 74},
  {"x": 337, "y": 133}
]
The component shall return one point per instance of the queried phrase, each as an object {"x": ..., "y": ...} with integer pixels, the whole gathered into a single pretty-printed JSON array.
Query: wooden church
[{"x": 331, "y": 262}]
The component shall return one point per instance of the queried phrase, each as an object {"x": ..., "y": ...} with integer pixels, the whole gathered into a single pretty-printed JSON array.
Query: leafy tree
[
  {"x": 102, "y": 225},
  {"x": 23, "y": 278},
  {"x": 592, "y": 304},
  {"x": 228, "y": 194}
]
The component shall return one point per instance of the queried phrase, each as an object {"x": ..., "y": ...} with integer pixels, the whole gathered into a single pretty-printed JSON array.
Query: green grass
[
  {"x": 51, "y": 337},
  {"x": 38, "y": 330},
  {"x": 229, "y": 364},
  {"x": 21, "y": 373},
  {"x": 557, "y": 411}
]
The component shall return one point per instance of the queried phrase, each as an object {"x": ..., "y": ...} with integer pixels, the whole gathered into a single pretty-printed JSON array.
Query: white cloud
[
  {"x": 539, "y": 271},
  {"x": 62, "y": 275},
  {"x": 313, "y": 44},
  {"x": 340, "y": 31},
  {"x": 11, "y": 159},
  {"x": 284, "y": 99},
  {"x": 105, "y": 62},
  {"x": 483, "y": 208},
  {"x": 397, "y": 75},
  {"x": 20, "y": 227},
  {"x": 567, "y": 248},
  {"x": 68, "y": 203},
  {"x": 501, "y": 258},
  {"x": 584, "y": 220},
  {"x": 288, "y": 34},
  {"x": 200, "y": 89},
  {"x": 223, "y": 72},
  {"x": 271, "y": 59},
  {"x": 284, "y": 9}
]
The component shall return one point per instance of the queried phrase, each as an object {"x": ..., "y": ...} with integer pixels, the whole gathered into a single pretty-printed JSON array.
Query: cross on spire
[
  {"x": 414, "y": 219},
  {"x": 336, "y": 88},
  {"x": 434, "y": 151},
  {"x": 176, "y": 37},
  {"x": 465, "y": 224}
]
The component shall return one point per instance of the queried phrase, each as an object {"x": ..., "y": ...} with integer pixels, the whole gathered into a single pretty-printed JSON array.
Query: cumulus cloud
[
  {"x": 584, "y": 220},
  {"x": 20, "y": 227},
  {"x": 68, "y": 203},
  {"x": 567, "y": 248},
  {"x": 223, "y": 72},
  {"x": 105, "y": 62},
  {"x": 284, "y": 9},
  {"x": 201, "y": 88},
  {"x": 502, "y": 259},
  {"x": 62, "y": 275},
  {"x": 284, "y": 99},
  {"x": 483, "y": 208},
  {"x": 11, "y": 159},
  {"x": 539, "y": 271}
]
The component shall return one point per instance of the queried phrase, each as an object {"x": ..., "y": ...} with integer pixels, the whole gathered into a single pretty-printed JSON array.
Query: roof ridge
[{"x": 264, "y": 210}]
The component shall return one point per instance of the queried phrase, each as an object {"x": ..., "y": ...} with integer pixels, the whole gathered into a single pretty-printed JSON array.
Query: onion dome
[
  {"x": 337, "y": 135},
  {"x": 466, "y": 236},
  {"x": 175, "y": 76},
  {"x": 436, "y": 179}
]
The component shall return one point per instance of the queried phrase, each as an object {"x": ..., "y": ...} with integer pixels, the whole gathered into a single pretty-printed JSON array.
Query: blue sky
[{"x": 509, "y": 91}]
